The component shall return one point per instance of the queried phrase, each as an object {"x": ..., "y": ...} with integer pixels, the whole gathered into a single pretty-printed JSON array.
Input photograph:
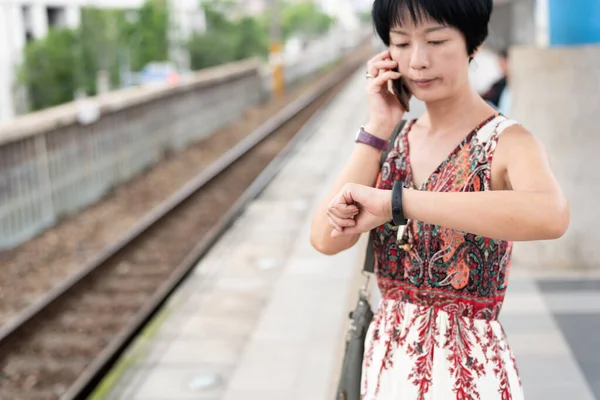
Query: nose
[{"x": 419, "y": 59}]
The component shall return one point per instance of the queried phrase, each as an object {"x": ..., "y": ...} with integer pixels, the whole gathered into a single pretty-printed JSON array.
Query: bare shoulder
[
  {"x": 516, "y": 140},
  {"x": 519, "y": 155},
  {"x": 517, "y": 132},
  {"x": 523, "y": 162}
]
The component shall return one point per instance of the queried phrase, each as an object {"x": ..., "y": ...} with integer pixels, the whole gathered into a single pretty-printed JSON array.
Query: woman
[{"x": 468, "y": 181}]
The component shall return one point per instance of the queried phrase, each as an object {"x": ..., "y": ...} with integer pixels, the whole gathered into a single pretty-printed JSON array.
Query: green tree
[
  {"x": 252, "y": 39},
  {"x": 226, "y": 40},
  {"x": 50, "y": 69},
  {"x": 305, "y": 19},
  {"x": 100, "y": 45},
  {"x": 216, "y": 17},
  {"x": 147, "y": 38},
  {"x": 209, "y": 50},
  {"x": 56, "y": 66}
]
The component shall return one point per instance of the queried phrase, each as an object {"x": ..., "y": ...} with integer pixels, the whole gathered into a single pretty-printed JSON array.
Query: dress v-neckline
[{"x": 441, "y": 166}]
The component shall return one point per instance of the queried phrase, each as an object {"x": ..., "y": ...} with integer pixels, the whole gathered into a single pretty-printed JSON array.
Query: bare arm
[
  {"x": 530, "y": 206},
  {"x": 362, "y": 168},
  {"x": 363, "y": 165}
]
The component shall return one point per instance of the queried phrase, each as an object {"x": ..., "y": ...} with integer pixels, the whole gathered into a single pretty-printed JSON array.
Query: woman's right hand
[{"x": 385, "y": 111}]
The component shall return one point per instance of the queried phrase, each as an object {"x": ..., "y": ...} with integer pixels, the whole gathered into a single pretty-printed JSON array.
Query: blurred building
[{"x": 24, "y": 20}]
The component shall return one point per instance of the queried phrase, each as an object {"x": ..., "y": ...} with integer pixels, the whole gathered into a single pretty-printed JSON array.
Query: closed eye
[
  {"x": 437, "y": 42},
  {"x": 401, "y": 45}
]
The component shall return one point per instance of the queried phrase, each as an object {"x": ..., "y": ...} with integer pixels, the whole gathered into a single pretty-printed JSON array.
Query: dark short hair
[{"x": 471, "y": 17}]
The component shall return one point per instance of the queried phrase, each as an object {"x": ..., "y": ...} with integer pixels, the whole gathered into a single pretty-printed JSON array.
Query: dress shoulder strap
[
  {"x": 505, "y": 123},
  {"x": 396, "y": 132},
  {"x": 494, "y": 128}
]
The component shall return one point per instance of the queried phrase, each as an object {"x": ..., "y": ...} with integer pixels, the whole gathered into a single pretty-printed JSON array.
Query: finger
[
  {"x": 333, "y": 213},
  {"x": 381, "y": 56},
  {"x": 378, "y": 83},
  {"x": 343, "y": 205},
  {"x": 336, "y": 234},
  {"x": 338, "y": 200},
  {"x": 345, "y": 232},
  {"x": 333, "y": 224},
  {"x": 378, "y": 67},
  {"x": 383, "y": 65},
  {"x": 339, "y": 216},
  {"x": 341, "y": 223},
  {"x": 344, "y": 211},
  {"x": 374, "y": 70}
]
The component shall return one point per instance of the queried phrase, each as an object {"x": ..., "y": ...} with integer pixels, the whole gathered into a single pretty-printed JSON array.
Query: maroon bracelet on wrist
[{"x": 371, "y": 140}]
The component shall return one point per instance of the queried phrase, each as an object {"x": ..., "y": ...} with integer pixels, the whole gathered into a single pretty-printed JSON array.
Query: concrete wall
[
  {"x": 524, "y": 22},
  {"x": 500, "y": 27},
  {"x": 555, "y": 96}
]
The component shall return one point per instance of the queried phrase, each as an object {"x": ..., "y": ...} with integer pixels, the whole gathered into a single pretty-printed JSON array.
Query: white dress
[{"x": 436, "y": 335}]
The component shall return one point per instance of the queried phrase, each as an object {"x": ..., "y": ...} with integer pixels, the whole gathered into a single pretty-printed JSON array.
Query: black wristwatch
[{"x": 398, "y": 218}]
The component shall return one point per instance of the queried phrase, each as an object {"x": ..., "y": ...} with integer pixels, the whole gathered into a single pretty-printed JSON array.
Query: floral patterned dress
[{"x": 436, "y": 333}]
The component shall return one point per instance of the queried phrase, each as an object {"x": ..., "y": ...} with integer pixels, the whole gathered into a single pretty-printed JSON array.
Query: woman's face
[{"x": 431, "y": 57}]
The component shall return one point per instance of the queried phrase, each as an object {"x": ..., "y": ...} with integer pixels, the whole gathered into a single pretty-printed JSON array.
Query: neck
[{"x": 464, "y": 106}]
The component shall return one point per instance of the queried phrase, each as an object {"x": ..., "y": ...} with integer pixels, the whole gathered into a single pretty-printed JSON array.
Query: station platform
[{"x": 263, "y": 315}]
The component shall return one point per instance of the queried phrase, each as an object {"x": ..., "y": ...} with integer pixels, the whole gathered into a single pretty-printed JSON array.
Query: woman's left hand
[{"x": 359, "y": 208}]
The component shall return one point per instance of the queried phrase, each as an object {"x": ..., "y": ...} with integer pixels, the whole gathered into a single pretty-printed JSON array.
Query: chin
[{"x": 428, "y": 96}]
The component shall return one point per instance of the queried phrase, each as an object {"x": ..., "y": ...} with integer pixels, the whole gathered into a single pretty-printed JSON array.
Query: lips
[{"x": 423, "y": 83}]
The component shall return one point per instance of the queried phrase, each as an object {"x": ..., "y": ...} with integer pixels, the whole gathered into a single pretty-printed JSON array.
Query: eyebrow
[{"x": 428, "y": 30}]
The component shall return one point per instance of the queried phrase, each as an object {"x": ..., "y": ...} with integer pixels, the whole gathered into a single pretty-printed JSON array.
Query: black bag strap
[
  {"x": 369, "y": 265},
  {"x": 392, "y": 141}
]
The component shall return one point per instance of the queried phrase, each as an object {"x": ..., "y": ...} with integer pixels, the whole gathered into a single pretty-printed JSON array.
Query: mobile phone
[{"x": 401, "y": 91}]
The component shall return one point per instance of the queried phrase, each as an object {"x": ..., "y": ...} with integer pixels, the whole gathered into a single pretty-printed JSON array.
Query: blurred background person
[{"x": 498, "y": 95}]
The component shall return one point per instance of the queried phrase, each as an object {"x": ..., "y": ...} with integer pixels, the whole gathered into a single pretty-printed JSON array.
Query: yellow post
[
  {"x": 276, "y": 61},
  {"x": 275, "y": 56}
]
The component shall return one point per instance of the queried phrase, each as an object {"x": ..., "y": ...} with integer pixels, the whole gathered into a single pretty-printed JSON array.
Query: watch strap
[
  {"x": 371, "y": 140},
  {"x": 397, "y": 211}
]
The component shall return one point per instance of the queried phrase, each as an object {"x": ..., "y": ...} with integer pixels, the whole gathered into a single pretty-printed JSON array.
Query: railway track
[{"x": 61, "y": 347}]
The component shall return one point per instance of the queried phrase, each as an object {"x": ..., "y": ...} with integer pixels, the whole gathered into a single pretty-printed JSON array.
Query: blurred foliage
[
  {"x": 66, "y": 60},
  {"x": 304, "y": 19},
  {"x": 49, "y": 69},
  {"x": 98, "y": 46},
  {"x": 226, "y": 39},
  {"x": 365, "y": 17},
  {"x": 229, "y": 39},
  {"x": 146, "y": 38}
]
